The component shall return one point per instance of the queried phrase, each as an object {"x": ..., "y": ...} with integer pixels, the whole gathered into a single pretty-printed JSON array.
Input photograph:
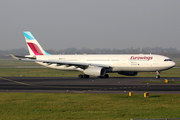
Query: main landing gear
[
  {"x": 105, "y": 76},
  {"x": 87, "y": 76},
  {"x": 83, "y": 76},
  {"x": 157, "y": 74}
]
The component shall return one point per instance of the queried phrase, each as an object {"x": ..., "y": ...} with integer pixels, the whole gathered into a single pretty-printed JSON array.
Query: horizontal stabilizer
[
  {"x": 14, "y": 57},
  {"x": 22, "y": 57}
]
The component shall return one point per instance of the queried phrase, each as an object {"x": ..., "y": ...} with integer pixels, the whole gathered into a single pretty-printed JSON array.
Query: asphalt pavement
[{"x": 92, "y": 85}]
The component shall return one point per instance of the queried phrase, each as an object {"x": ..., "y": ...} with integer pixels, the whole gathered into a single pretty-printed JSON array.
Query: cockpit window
[{"x": 167, "y": 60}]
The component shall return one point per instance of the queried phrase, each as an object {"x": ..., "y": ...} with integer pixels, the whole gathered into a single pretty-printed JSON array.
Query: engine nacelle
[
  {"x": 95, "y": 71},
  {"x": 128, "y": 73}
]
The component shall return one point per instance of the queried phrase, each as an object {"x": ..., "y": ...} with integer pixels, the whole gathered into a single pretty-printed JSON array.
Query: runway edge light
[
  {"x": 146, "y": 94},
  {"x": 166, "y": 81},
  {"x": 130, "y": 93}
]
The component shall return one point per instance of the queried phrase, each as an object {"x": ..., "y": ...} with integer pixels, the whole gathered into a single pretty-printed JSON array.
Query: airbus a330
[{"x": 96, "y": 64}]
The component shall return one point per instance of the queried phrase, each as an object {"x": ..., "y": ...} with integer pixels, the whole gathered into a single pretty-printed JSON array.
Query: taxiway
[{"x": 91, "y": 85}]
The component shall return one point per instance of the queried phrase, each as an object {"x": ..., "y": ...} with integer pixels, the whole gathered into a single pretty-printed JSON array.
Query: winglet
[{"x": 14, "y": 57}]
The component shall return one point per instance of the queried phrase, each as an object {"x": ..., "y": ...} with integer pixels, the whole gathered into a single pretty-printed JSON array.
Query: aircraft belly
[
  {"x": 160, "y": 68},
  {"x": 138, "y": 69}
]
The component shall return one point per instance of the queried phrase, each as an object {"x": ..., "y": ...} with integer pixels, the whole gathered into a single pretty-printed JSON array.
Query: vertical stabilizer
[{"x": 33, "y": 46}]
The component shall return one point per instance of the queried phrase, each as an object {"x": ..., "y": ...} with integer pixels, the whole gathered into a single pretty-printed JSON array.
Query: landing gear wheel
[
  {"x": 106, "y": 76},
  {"x": 80, "y": 76},
  {"x": 86, "y": 76},
  {"x": 83, "y": 76},
  {"x": 157, "y": 76}
]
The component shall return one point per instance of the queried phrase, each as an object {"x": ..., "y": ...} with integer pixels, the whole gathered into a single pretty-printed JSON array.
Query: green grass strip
[{"x": 54, "y": 106}]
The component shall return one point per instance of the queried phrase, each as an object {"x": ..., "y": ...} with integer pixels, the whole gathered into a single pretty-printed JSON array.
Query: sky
[{"x": 111, "y": 24}]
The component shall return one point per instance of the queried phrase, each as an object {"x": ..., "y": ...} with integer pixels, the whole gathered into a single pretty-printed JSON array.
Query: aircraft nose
[{"x": 173, "y": 63}]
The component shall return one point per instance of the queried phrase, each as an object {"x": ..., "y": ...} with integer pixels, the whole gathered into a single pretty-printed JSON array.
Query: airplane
[{"x": 97, "y": 65}]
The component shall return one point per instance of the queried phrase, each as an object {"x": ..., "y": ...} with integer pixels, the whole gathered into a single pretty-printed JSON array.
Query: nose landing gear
[{"x": 157, "y": 74}]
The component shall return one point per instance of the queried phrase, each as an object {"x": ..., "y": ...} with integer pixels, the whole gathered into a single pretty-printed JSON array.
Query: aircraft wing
[{"x": 76, "y": 64}]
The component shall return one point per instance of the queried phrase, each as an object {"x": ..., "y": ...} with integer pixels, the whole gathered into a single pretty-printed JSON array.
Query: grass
[
  {"x": 36, "y": 72},
  {"x": 177, "y": 63},
  {"x": 35, "y": 106},
  {"x": 47, "y": 72}
]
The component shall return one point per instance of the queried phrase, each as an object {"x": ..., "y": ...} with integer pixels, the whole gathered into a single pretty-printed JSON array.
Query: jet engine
[
  {"x": 95, "y": 71},
  {"x": 128, "y": 73}
]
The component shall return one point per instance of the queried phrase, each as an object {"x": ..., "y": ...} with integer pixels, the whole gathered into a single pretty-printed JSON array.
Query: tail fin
[{"x": 33, "y": 46}]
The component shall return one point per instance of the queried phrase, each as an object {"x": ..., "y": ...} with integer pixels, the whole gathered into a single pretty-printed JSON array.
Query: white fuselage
[{"x": 121, "y": 62}]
